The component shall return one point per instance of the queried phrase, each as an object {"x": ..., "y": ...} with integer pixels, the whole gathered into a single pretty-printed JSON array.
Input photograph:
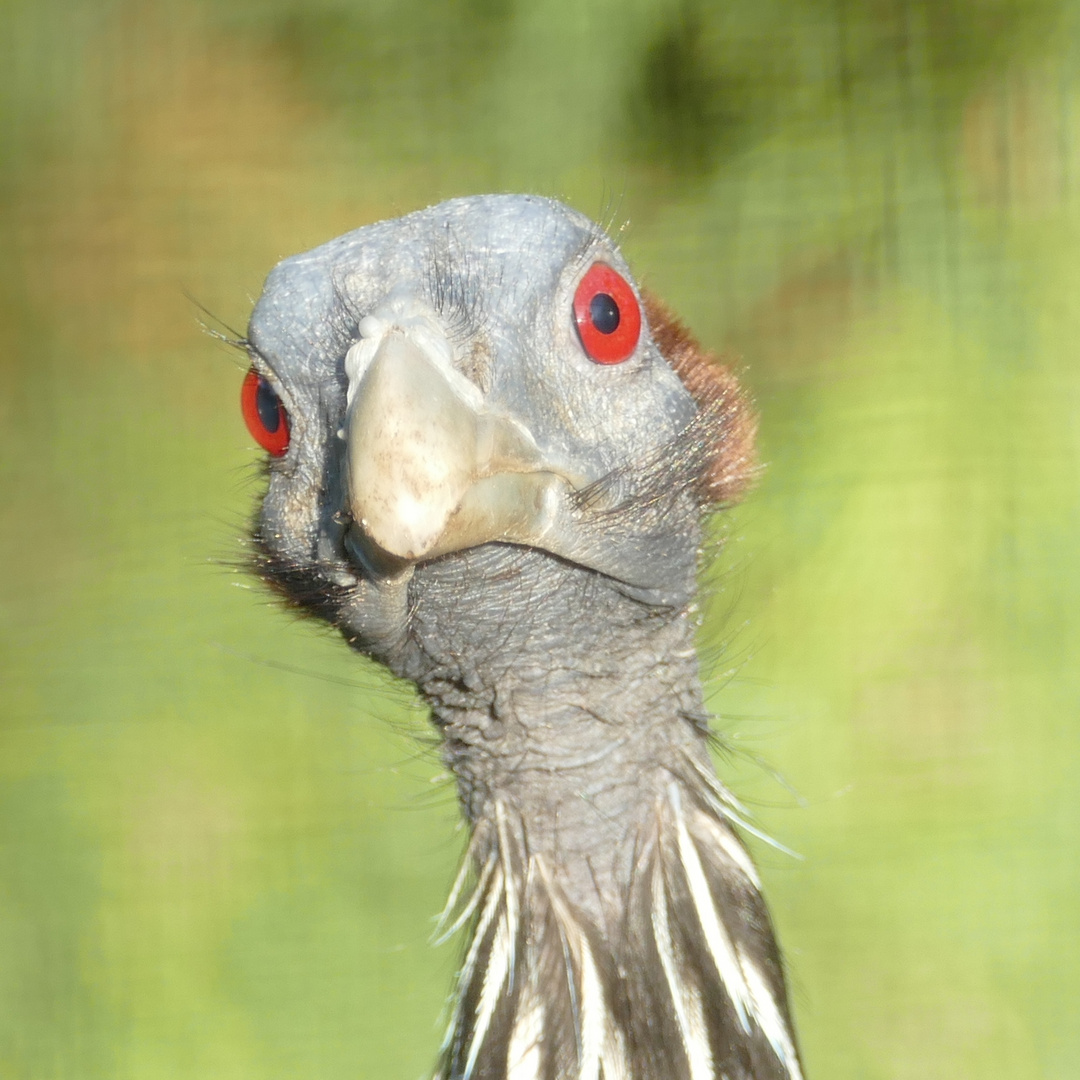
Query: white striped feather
[
  {"x": 601, "y": 1046},
  {"x": 491, "y": 906},
  {"x": 593, "y": 1016},
  {"x": 495, "y": 975},
  {"x": 512, "y": 908},
  {"x": 444, "y": 932},
  {"x": 468, "y": 968},
  {"x": 727, "y": 843},
  {"x": 746, "y": 986},
  {"x": 730, "y": 809},
  {"x": 769, "y": 1018},
  {"x": 685, "y": 999},
  {"x": 467, "y": 860},
  {"x": 717, "y": 939},
  {"x": 507, "y": 895},
  {"x": 523, "y": 1056},
  {"x": 616, "y": 1067}
]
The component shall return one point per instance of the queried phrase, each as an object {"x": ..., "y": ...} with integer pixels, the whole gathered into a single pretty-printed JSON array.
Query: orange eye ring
[
  {"x": 607, "y": 315},
  {"x": 264, "y": 414}
]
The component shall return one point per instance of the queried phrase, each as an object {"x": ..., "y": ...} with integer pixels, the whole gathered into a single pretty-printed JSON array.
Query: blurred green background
[{"x": 221, "y": 837}]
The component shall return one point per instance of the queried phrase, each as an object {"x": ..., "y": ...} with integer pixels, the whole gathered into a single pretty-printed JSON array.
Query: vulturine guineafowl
[{"x": 491, "y": 458}]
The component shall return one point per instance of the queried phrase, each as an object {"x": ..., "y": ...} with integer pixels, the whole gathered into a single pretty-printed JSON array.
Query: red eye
[
  {"x": 607, "y": 315},
  {"x": 264, "y": 414}
]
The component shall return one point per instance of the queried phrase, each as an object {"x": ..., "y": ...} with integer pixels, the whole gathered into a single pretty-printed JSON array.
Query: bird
[{"x": 491, "y": 462}]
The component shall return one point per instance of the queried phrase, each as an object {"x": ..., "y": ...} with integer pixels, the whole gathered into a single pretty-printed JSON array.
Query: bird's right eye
[{"x": 264, "y": 414}]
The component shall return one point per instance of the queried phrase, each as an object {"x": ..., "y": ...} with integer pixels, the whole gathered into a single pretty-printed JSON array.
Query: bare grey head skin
[{"x": 480, "y": 506}]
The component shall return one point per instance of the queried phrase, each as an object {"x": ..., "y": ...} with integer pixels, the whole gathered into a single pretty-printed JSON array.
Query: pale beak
[{"x": 430, "y": 467}]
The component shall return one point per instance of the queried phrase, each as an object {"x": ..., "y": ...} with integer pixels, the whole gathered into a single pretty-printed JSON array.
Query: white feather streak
[
  {"x": 455, "y": 889},
  {"x": 510, "y": 885},
  {"x": 465, "y": 914},
  {"x": 727, "y": 806},
  {"x": 600, "y": 1043},
  {"x": 491, "y": 906},
  {"x": 730, "y": 846},
  {"x": 495, "y": 974},
  {"x": 716, "y": 936},
  {"x": 593, "y": 1016},
  {"x": 769, "y": 1017},
  {"x": 614, "y": 1059},
  {"x": 698, "y": 1051},
  {"x": 523, "y": 1053}
]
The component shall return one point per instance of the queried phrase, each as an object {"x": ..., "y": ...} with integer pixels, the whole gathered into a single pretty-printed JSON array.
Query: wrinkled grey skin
[
  {"x": 551, "y": 682},
  {"x": 561, "y": 674}
]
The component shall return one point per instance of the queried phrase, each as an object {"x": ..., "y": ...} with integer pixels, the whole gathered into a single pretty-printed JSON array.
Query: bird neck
[
  {"x": 617, "y": 927},
  {"x": 572, "y": 709}
]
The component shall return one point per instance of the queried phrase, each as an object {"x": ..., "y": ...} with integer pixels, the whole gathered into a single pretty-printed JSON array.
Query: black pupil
[
  {"x": 604, "y": 313},
  {"x": 266, "y": 401}
]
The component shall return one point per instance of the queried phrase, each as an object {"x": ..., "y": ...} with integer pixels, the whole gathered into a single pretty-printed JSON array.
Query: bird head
[{"x": 482, "y": 372}]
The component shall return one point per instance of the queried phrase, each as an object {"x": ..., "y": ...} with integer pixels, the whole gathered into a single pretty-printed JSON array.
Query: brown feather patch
[{"x": 713, "y": 385}]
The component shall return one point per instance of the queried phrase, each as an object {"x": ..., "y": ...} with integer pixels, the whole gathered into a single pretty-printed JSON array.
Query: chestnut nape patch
[{"x": 732, "y": 461}]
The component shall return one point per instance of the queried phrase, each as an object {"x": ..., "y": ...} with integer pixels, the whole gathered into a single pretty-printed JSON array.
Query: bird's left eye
[
  {"x": 264, "y": 414},
  {"x": 607, "y": 315}
]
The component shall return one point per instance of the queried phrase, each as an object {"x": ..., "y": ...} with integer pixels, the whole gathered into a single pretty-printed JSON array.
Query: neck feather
[
  {"x": 682, "y": 982},
  {"x": 616, "y": 927}
]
